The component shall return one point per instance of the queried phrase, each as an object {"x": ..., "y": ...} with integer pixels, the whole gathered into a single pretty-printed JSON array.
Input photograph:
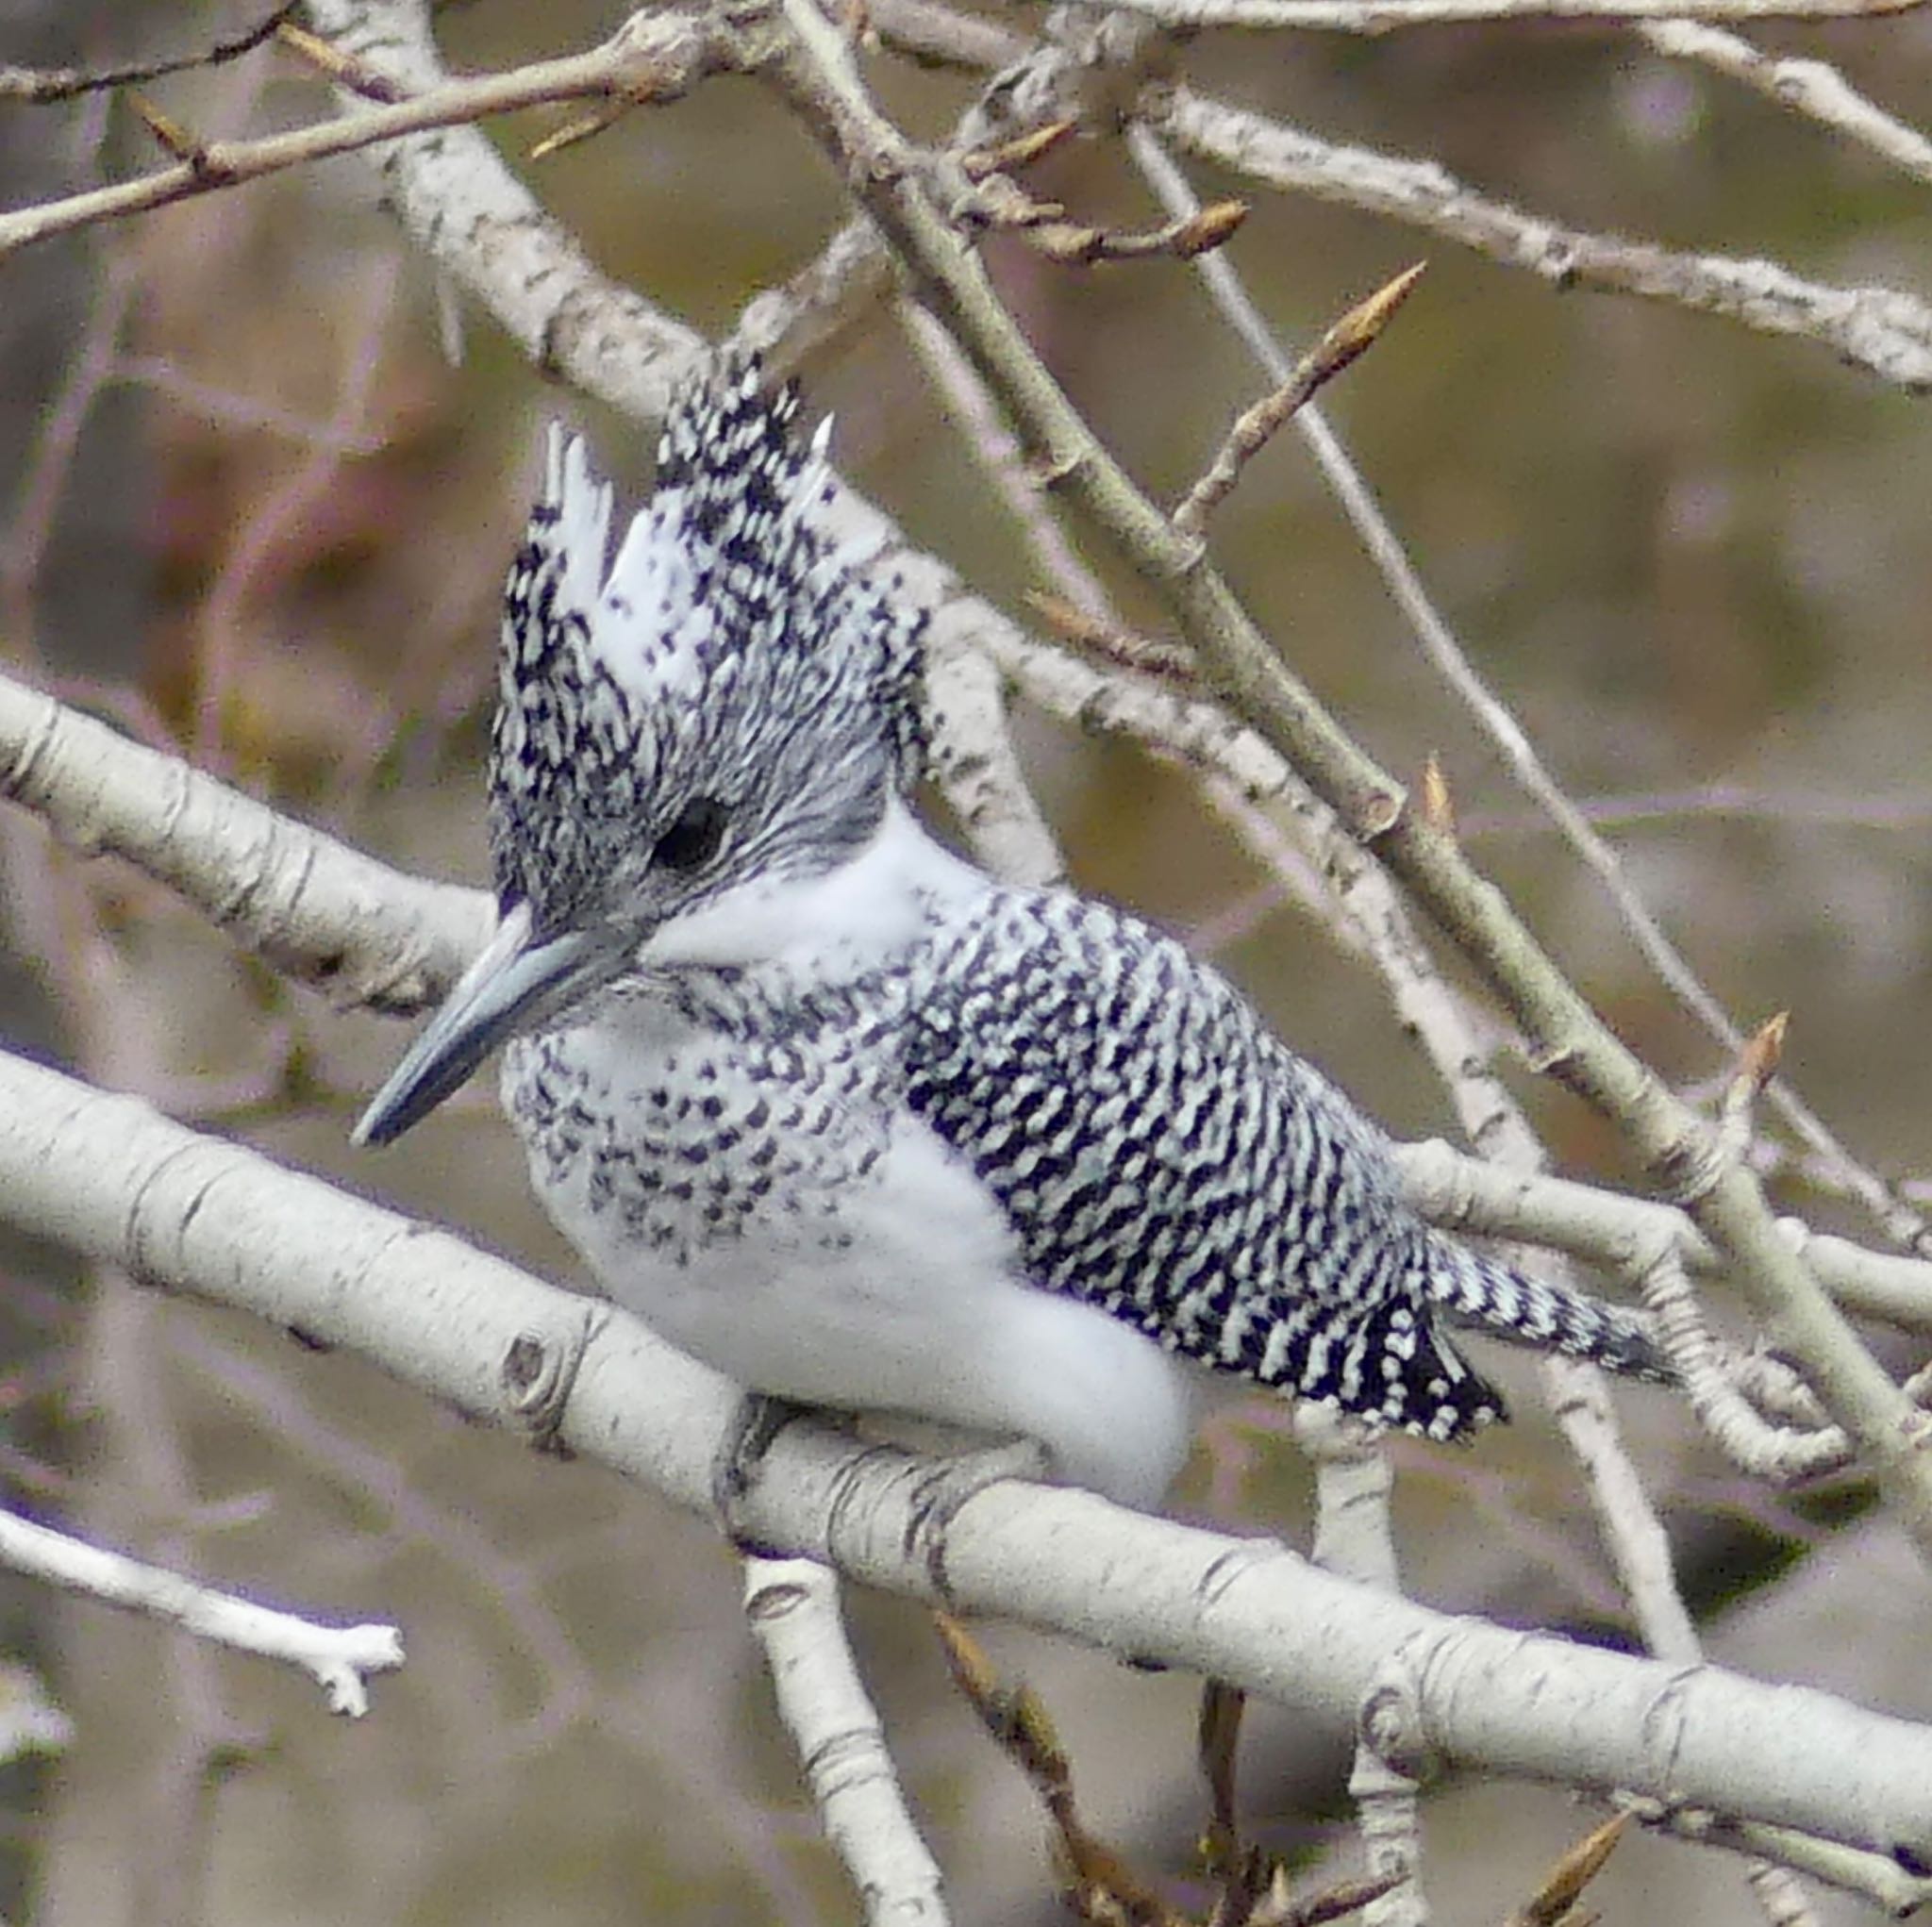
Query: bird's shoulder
[{"x": 1071, "y": 992}]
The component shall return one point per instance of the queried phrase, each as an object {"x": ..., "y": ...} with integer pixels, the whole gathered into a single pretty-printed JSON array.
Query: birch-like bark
[
  {"x": 110, "y": 1177},
  {"x": 339, "y": 1658},
  {"x": 793, "y": 1606}
]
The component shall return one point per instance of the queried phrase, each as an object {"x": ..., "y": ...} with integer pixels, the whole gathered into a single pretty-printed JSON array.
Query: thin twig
[
  {"x": 1101, "y": 636},
  {"x": 1885, "y": 331},
  {"x": 653, "y": 57},
  {"x": 342, "y": 68},
  {"x": 1019, "y": 1725},
  {"x": 1386, "y": 16},
  {"x": 1078, "y": 243},
  {"x": 338, "y": 1658},
  {"x": 1875, "y": 1877},
  {"x": 46, "y": 84},
  {"x": 1814, "y": 88},
  {"x": 1345, "y": 341},
  {"x": 1505, "y": 733}
]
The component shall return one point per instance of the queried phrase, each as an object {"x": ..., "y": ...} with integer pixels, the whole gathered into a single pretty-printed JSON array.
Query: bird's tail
[{"x": 1479, "y": 1291}]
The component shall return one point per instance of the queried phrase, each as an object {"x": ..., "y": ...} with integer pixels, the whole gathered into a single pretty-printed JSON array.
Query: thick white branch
[
  {"x": 109, "y": 1176},
  {"x": 338, "y": 1658},
  {"x": 793, "y": 1609},
  {"x": 311, "y": 906}
]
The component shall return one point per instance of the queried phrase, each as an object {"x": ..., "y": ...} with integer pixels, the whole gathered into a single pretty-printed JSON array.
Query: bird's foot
[
  {"x": 758, "y": 1419},
  {"x": 940, "y": 1493}
]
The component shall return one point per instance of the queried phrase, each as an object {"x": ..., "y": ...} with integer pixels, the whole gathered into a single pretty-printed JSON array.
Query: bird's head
[{"x": 722, "y": 710}]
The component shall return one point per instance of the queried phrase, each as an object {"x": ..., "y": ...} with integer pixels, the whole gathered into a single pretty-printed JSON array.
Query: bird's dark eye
[{"x": 692, "y": 839}]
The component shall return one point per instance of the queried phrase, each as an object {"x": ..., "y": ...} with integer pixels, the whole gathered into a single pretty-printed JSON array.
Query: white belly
[{"x": 900, "y": 1292}]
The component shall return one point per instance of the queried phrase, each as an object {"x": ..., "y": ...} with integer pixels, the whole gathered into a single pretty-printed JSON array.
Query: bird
[{"x": 843, "y": 1117}]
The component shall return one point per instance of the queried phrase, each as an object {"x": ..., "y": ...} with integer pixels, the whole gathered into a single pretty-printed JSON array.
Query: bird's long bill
[{"x": 512, "y": 981}]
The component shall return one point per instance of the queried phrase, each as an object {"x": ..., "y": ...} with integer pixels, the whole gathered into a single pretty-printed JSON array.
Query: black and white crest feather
[{"x": 724, "y": 651}]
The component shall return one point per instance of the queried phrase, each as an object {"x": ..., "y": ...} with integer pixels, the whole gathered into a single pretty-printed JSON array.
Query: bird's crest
[{"x": 730, "y": 653}]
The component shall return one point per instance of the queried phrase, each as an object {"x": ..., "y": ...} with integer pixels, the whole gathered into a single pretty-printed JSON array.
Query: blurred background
[{"x": 253, "y": 509}]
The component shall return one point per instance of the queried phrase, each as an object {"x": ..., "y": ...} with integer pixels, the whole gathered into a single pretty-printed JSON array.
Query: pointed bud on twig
[
  {"x": 1438, "y": 805},
  {"x": 584, "y": 128},
  {"x": 1765, "y": 1052},
  {"x": 1350, "y": 338},
  {"x": 344, "y": 69},
  {"x": 1081, "y": 245},
  {"x": 170, "y": 133},
  {"x": 1756, "y": 1067},
  {"x": 1574, "y": 1871},
  {"x": 1360, "y": 329},
  {"x": 1022, "y": 150},
  {"x": 1204, "y": 232}
]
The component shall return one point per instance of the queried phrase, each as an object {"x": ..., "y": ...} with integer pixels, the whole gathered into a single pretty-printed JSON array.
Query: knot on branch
[
  {"x": 1393, "y": 1724},
  {"x": 1689, "y": 1169},
  {"x": 540, "y": 1370}
]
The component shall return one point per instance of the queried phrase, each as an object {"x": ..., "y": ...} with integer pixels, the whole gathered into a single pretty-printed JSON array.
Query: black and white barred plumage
[{"x": 832, "y": 1111}]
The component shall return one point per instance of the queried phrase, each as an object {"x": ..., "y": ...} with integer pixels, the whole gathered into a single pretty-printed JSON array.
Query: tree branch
[
  {"x": 649, "y": 58},
  {"x": 1884, "y": 331},
  {"x": 1387, "y": 16},
  {"x": 338, "y": 1658},
  {"x": 110, "y": 1177},
  {"x": 793, "y": 1606},
  {"x": 309, "y": 905}
]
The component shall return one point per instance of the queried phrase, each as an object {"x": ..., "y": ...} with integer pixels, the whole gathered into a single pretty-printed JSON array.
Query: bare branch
[
  {"x": 1883, "y": 330},
  {"x": 1388, "y": 16},
  {"x": 1343, "y": 342},
  {"x": 1462, "y": 1194},
  {"x": 650, "y": 58},
  {"x": 1781, "y": 1454},
  {"x": 1566, "y": 1038},
  {"x": 109, "y": 1176},
  {"x": 1355, "y": 1536},
  {"x": 1502, "y": 729},
  {"x": 311, "y": 906},
  {"x": 1814, "y": 88},
  {"x": 793, "y": 1606},
  {"x": 1125, "y": 648},
  {"x": 44, "y": 84},
  {"x": 1875, "y": 1876},
  {"x": 338, "y": 1658}
]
